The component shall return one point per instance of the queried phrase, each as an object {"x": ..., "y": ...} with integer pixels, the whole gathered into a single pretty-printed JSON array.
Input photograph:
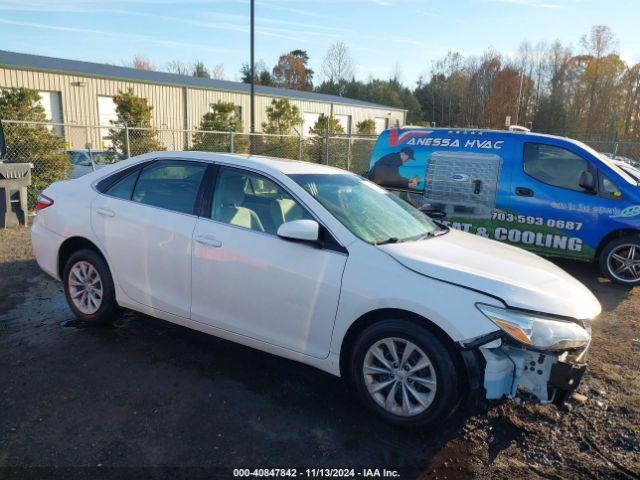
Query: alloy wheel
[
  {"x": 623, "y": 263},
  {"x": 85, "y": 287},
  {"x": 399, "y": 376}
]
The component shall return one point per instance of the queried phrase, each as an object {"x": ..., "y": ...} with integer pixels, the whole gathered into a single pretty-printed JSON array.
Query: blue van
[{"x": 551, "y": 195}]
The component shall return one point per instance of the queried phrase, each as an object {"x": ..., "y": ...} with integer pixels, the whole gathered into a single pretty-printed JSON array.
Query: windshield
[
  {"x": 368, "y": 211},
  {"x": 612, "y": 164},
  {"x": 630, "y": 169}
]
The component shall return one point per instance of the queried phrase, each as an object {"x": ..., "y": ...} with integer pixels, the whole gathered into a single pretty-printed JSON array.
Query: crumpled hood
[{"x": 520, "y": 278}]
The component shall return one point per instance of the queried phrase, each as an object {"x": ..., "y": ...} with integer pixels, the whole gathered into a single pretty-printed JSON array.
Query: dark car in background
[{"x": 85, "y": 161}]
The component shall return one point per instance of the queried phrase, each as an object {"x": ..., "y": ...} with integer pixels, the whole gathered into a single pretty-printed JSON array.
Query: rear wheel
[
  {"x": 620, "y": 260},
  {"x": 403, "y": 373},
  {"x": 89, "y": 287}
]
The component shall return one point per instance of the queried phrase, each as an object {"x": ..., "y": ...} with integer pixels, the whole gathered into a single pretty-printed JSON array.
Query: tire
[
  {"x": 98, "y": 305},
  {"x": 439, "y": 400},
  {"x": 620, "y": 260}
]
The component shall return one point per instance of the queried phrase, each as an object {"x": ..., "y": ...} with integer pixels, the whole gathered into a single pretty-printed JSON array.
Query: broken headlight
[{"x": 536, "y": 330}]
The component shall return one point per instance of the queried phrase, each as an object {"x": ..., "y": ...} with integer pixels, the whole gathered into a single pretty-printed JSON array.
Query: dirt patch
[
  {"x": 148, "y": 393},
  {"x": 17, "y": 267}
]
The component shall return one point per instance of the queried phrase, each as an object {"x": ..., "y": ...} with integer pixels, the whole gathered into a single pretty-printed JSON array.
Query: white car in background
[
  {"x": 628, "y": 168},
  {"x": 318, "y": 265}
]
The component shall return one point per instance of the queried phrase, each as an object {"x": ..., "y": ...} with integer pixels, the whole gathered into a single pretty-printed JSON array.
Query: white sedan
[{"x": 321, "y": 266}]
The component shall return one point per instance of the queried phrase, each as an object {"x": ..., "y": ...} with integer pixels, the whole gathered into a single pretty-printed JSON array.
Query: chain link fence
[
  {"x": 60, "y": 151},
  {"x": 622, "y": 150}
]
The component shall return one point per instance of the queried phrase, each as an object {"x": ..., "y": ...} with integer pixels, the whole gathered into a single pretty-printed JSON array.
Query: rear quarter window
[{"x": 123, "y": 188}]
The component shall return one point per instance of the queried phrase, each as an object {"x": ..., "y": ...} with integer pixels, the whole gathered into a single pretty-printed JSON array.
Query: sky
[{"x": 384, "y": 36}]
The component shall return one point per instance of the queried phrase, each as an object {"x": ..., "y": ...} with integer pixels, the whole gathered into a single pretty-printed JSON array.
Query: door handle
[
  {"x": 208, "y": 240},
  {"x": 106, "y": 213},
  {"x": 477, "y": 185},
  {"x": 524, "y": 192}
]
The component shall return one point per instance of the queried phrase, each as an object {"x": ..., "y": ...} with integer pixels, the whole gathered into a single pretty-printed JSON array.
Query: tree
[
  {"x": 361, "y": 147},
  {"x": 631, "y": 127},
  {"x": 140, "y": 63},
  {"x": 324, "y": 146},
  {"x": 221, "y": 118},
  {"x": 603, "y": 70},
  {"x": 178, "y": 67},
  {"x": 552, "y": 112},
  {"x": 385, "y": 92},
  {"x": 366, "y": 127},
  {"x": 292, "y": 72},
  {"x": 283, "y": 126},
  {"x": 591, "y": 95},
  {"x": 217, "y": 72},
  {"x": 263, "y": 77},
  {"x": 505, "y": 91},
  {"x": 199, "y": 70},
  {"x": 337, "y": 67},
  {"x": 282, "y": 118},
  {"x": 135, "y": 113},
  {"x": 29, "y": 143}
]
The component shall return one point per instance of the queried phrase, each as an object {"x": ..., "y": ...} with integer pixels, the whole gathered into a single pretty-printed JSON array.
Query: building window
[
  {"x": 381, "y": 124},
  {"x": 52, "y": 105}
]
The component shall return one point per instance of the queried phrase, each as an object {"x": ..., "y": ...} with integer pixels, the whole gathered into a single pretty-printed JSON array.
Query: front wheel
[
  {"x": 620, "y": 260},
  {"x": 89, "y": 288},
  {"x": 404, "y": 374}
]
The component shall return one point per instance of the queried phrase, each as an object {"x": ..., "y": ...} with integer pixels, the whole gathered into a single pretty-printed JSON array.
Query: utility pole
[
  {"x": 519, "y": 96},
  {"x": 253, "y": 76}
]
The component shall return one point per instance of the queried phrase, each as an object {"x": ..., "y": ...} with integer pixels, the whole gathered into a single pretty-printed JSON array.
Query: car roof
[
  {"x": 84, "y": 150},
  {"x": 259, "y": 162}
]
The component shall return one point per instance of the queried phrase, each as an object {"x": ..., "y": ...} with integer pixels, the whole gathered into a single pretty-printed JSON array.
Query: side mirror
[
  {"x": 587, "y": 181},
  {"x": 300, "y": 230}
]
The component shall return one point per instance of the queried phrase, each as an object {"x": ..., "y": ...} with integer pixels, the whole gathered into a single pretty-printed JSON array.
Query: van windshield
[
  {"x": 610, "y": 163},
  {"x": 627, "y": 175},
  {"x": 368, "y": 211}
]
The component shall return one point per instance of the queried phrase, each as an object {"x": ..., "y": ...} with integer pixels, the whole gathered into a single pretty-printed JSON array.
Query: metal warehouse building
[{"x": 81, "y": 93}]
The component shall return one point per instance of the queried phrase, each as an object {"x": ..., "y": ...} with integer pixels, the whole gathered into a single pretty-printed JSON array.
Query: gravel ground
[{"x": 146, "y": 393}]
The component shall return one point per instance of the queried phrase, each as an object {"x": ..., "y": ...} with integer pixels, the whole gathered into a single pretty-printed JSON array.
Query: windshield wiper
[
  {"x": 434, "y": 233},
  {"x": 388, "y": 240}
]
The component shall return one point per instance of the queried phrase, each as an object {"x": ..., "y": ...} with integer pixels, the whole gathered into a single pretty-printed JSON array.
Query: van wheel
[
  {"x": 404, "y": 374},
  {"x": 89, "y": 288},
  {"x": 620, "y": 260}
]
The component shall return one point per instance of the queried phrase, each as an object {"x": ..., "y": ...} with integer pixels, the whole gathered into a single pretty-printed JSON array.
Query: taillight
[{"x": 43, "y": 202}]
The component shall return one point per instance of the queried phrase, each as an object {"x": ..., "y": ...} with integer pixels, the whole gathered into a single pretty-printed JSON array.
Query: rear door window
[
  {"x": 170, "y": 184},
  {"x": 554, "y": 166}
]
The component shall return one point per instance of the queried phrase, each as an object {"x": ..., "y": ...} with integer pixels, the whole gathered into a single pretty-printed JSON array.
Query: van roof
[
  {"x": 470, "y": 131},
  {"x": 487, "y": 131}
]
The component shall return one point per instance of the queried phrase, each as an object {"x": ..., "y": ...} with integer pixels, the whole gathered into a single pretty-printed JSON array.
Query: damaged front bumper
[
  {"x": 534, "y": 356},
  {"x": 513, "y": 371}
]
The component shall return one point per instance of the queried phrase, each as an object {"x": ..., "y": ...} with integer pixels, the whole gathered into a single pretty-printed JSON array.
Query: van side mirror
[{"x": 587, "y": 181}]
